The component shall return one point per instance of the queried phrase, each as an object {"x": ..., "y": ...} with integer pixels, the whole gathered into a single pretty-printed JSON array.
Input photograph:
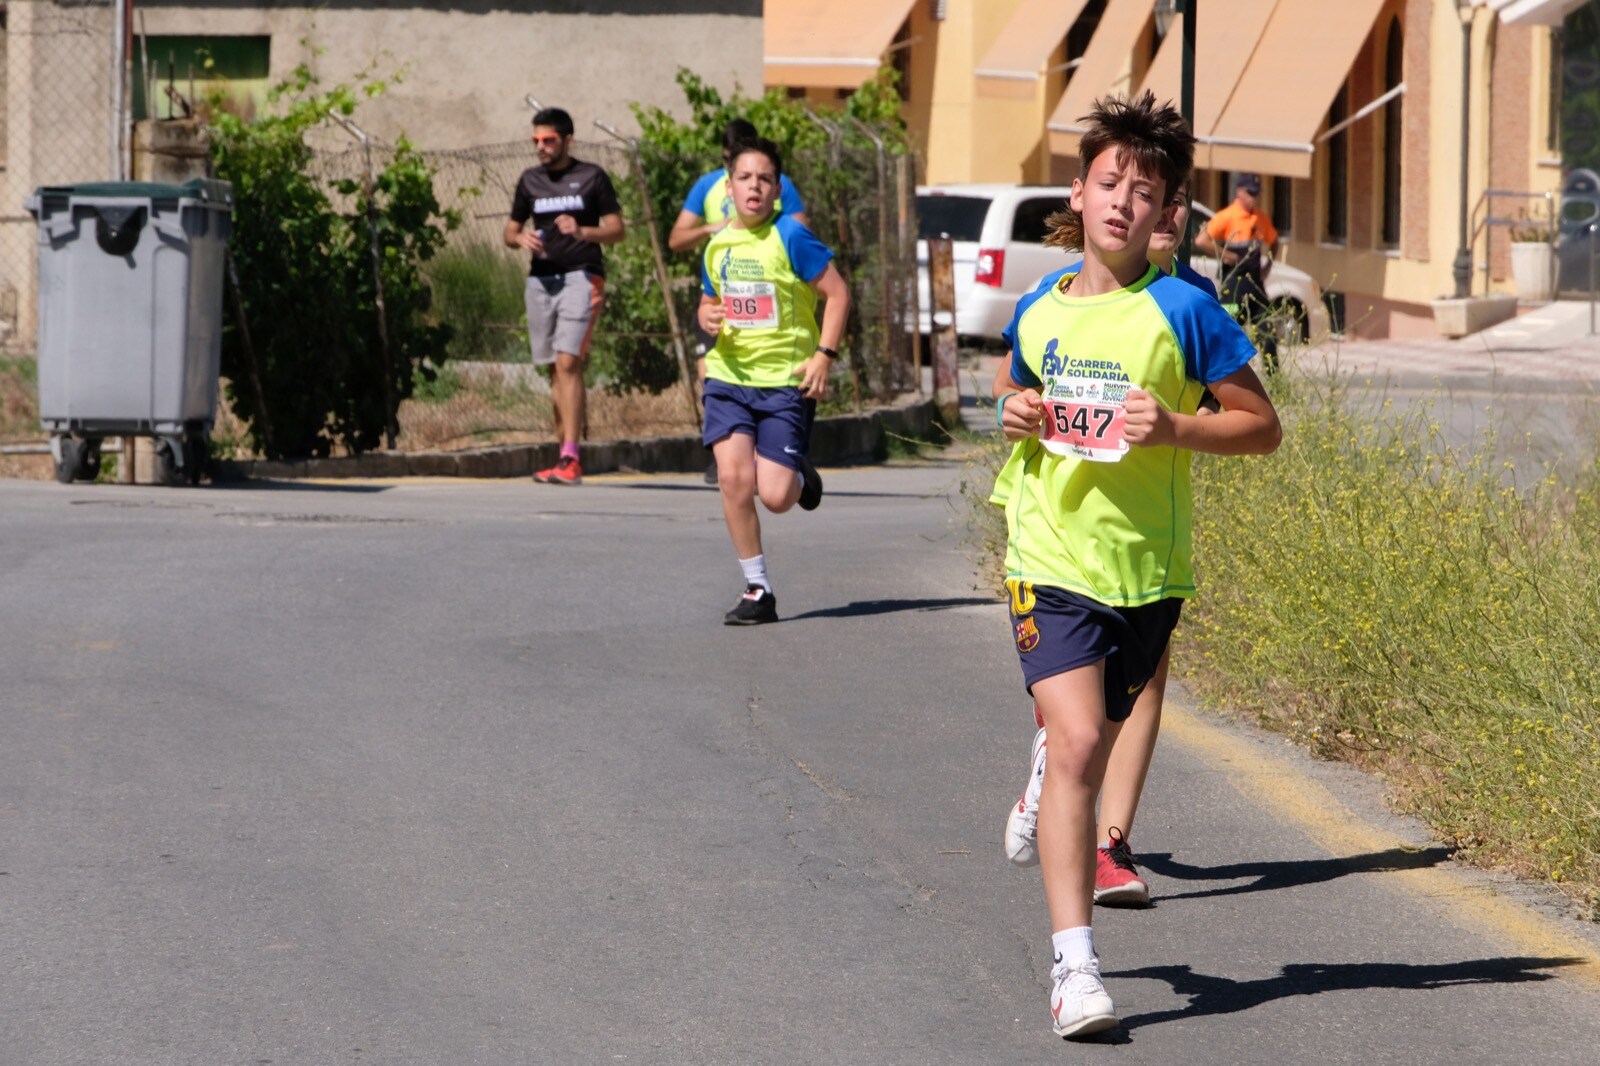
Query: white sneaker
[
  {"x": 1022, "y": 824},
  {"x": 1078, "y": 1001}
]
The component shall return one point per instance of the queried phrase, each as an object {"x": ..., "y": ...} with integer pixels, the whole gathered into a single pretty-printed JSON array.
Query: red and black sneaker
[
  {"x": 757, "y": 606},
  {"x": 565, "y": 472},
  {"x": 1116, "y": 880}
]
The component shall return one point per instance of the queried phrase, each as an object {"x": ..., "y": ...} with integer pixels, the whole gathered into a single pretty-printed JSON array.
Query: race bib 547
[{"x": 1084, "y": 417}]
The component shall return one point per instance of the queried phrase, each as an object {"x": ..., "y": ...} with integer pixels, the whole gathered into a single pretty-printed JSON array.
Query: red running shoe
[
  {"x": 1116, "y": 880},
  {"x": 565, "y": 472}
]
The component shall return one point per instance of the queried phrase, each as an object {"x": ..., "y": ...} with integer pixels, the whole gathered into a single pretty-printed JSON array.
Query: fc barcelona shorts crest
[{"x": 1056, "y": 631}]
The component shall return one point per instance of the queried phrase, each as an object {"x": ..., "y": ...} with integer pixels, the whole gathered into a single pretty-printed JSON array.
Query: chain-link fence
[
  {"x": 57, "y": 127},
  {"x": 488, "y": 391},
  {"x": 56, "y": 61}
]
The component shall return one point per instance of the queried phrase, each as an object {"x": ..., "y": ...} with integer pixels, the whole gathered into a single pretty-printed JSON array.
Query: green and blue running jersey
[
  {"x": 712, "y": 198},
  {"x": 1084, "y": 510},
  {"x": 761, "y": 276}
]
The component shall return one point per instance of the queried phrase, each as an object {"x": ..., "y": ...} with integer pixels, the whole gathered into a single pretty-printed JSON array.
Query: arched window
[
  {"x": 1392, "y": 76},
  {"x": 1337, "y": 154}
]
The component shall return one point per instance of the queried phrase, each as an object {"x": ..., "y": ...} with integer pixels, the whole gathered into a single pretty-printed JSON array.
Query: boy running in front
[
  {"x": 1117, "y": 881},
  {"x": 761, "y": 276},
  {"x": 1107, "y": 371}
]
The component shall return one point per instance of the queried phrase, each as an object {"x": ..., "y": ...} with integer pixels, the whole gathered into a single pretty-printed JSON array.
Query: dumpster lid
[{"x": 205, "y": 189}]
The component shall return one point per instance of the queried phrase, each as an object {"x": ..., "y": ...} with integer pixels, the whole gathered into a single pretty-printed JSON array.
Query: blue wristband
[{"x": 1000, "y": 408}]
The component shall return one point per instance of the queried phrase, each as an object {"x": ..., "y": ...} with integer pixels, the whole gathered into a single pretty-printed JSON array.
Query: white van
[{"x": 997, "y": 233}]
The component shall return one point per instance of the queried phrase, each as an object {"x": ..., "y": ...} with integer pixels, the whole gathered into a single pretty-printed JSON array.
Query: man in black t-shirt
[{"x": 562, "y": 212}]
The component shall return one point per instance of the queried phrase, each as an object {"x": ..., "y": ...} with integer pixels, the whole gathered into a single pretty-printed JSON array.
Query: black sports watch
[{"x": 829, "y": 352}]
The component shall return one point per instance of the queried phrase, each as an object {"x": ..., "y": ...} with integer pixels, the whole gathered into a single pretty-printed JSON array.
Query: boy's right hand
[
  {"x": 711, "y": 316},
  {"x": 529, "y": 239},
  {"x": 1021, "y": 414}
]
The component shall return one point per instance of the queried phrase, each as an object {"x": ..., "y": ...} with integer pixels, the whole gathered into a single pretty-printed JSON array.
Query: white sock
[
  {"x": 1074, "y": 947},
  {"x": 755, "y": 571}
]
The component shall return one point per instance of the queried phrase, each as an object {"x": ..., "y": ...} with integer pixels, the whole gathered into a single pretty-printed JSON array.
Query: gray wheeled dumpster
[{"x": 130, "y": 319}]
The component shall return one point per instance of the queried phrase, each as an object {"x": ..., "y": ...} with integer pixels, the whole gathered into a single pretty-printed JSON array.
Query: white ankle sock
[
  {"x": 755, "y": 571},
  {"x": 1074, "y": 947}
]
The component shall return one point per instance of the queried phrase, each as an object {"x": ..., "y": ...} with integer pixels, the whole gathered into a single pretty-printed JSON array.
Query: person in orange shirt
[{"x": 1244, "y": 239}]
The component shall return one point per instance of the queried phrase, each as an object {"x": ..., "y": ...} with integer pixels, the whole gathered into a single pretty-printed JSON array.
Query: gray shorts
[{"x": 562, "y": 310}]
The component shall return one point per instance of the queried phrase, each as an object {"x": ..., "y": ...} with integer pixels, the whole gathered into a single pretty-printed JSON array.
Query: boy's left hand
[
  {"x": 813, "y": 375},
  {"x": 1146, "y": 423}
]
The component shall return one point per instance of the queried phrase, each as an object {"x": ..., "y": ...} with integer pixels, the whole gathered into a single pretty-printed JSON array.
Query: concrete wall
[{"x": 468, "y": 65}]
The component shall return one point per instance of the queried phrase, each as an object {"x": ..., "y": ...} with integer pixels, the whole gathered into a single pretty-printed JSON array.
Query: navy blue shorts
[
  {"x": 1057, "y": 631},
  {"x": 779, "y": 419}
]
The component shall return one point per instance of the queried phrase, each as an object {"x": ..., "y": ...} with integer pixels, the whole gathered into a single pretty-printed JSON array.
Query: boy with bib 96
[
  {"x": 761, "y": 276},
  {"x": 1107, "y": 370}
]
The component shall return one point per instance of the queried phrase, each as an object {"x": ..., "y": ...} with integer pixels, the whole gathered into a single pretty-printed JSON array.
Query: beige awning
[
  {"x": 1109, "y": 54},
  {"x": 831, "y": 44},
  {"x": 1223, "y": 46},
  {"x": 1301, "y": 58},
  {"x": 1015, "y": 62}
]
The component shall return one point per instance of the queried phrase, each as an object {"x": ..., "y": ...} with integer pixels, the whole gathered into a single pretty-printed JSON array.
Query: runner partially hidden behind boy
[
  {"x": 761, "y": 276},
  {"x": 707, "y": 209},
  {"x": 1107, "y": 371}
]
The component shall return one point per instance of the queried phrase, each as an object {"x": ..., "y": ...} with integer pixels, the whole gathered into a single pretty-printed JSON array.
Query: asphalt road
[{"x": 470, "y": 773}]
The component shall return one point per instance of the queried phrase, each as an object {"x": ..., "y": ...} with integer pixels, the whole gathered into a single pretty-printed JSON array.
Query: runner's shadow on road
[
  {"x": 293, "y": 485},
  {"x": 664, "y": 486},
  {"x": 1268, "y": 876},
  {"x": 1221, "y": 995},
  {"x": 867, "y": 608}
]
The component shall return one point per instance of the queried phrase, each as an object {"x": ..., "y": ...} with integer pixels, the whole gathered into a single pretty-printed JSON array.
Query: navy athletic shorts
[
  {"x": 779, "y": 419},
  {"x": 1057, "y": 631}
]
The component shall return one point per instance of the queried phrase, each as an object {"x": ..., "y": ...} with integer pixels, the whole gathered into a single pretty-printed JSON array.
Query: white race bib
[
  {"x": 750, "y": 304},
  {"x": 1085, "y": 417}
]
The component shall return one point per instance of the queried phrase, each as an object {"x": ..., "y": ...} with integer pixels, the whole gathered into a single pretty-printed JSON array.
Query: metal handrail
[{"x": 1481, "y": 225}]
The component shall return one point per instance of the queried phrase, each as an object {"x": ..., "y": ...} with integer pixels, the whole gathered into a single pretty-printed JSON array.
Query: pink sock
[{"x": 569, "y": 448}]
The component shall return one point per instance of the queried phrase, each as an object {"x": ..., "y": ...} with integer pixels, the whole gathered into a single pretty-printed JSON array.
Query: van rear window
[{"x": 958, "y": 217}]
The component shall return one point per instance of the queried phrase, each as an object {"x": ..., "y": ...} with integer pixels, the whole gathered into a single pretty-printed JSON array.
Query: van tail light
[{"x": 991, "y": 266}]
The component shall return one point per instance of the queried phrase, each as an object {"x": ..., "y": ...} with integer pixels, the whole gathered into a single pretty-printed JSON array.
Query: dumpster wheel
[
  {"x": 79, "y": 459},
  {"x": 167, "y": 465},
  {"x": 196, "y": 456}
]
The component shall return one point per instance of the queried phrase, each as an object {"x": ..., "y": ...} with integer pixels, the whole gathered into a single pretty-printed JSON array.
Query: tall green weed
[{"x": 1429, "y": 609}]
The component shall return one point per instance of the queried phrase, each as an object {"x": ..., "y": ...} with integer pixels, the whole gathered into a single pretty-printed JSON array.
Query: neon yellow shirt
[
  {"x": 1084, "y": 510},
  {"x": 761, "y": 276}
]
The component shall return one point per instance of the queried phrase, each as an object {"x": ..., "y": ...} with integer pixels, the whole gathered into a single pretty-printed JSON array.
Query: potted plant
[{"x": 1533, "y": 258}]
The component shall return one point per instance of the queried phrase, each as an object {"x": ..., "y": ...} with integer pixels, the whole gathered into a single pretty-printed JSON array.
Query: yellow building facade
[{"x": 1350, "y": 111}]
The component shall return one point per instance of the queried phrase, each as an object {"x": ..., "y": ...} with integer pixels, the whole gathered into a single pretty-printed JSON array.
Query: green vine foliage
[
  {"x": 302, "y": 248},
  {"x": 837, "y": 178}
]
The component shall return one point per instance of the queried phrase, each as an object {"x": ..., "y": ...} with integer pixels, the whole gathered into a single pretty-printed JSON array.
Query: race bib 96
[{"x": 750, "y": 304}]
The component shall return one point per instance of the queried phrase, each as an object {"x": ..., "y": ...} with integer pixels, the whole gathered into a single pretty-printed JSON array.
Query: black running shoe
[
  {"x": 811, "y": 491},
  {"x": 711, "y": 473},
  {"x": 756, "y": 606}
]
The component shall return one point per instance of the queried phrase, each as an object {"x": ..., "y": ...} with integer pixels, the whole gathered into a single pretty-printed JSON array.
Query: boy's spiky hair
[
  {"x": 766, "y": 148},
  {"x": 1153, "y": 135}
]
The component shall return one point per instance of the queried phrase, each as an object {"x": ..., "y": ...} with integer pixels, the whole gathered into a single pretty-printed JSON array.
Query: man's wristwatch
[{"x": 829, "y": 352}]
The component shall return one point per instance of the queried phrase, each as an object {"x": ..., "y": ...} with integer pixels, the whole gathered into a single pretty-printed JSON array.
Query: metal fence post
[
  {"x": 662, "y": 277},
  {"x": 904, "y": 179},
  {"x": 885, "y": 282},
  {"x": 369, "y": 189}
]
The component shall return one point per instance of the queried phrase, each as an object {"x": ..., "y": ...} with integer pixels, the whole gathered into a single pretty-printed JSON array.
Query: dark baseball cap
[{"x": 1250, "y": 183}]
